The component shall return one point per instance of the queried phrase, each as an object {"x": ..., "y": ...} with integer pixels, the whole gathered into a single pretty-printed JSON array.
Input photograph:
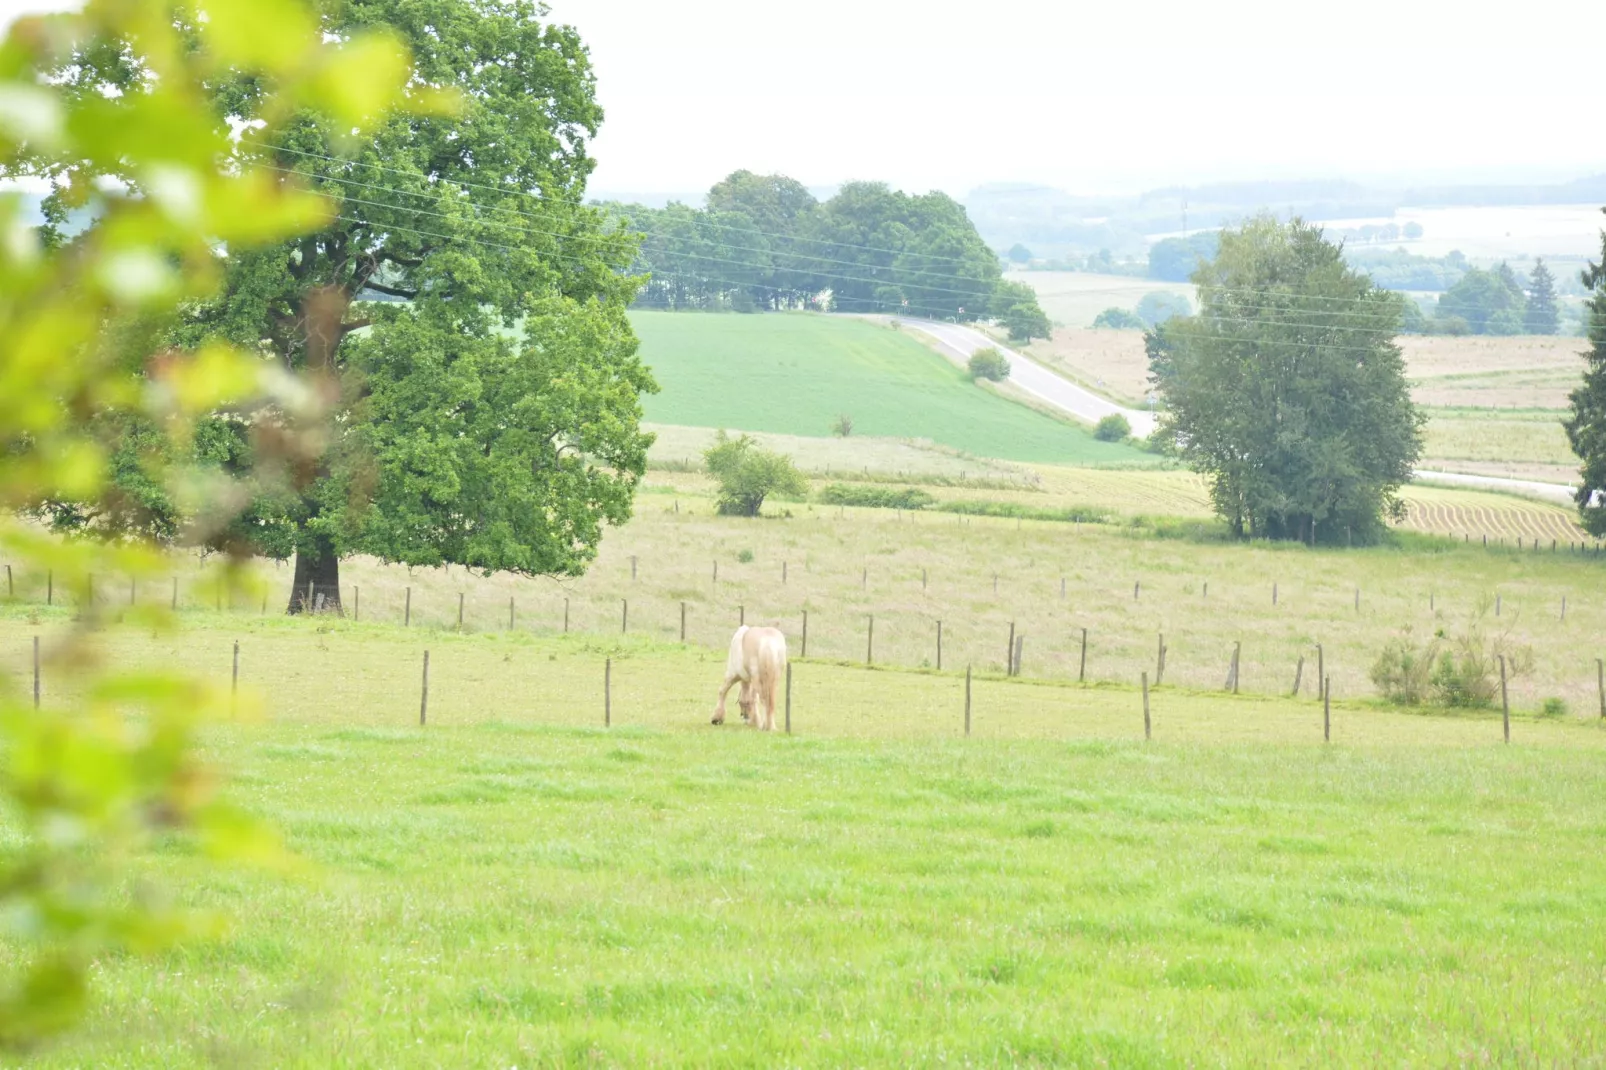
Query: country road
[{"x": 961, "y": 342}]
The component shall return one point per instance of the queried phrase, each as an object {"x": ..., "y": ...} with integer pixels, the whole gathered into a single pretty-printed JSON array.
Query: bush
[
  {"x": 744, "y": 556},
  {"x": 1404, "y": 673},
  {"x": 1460, "y": 672},
  {"x": 843, "y": 426},
  {"x": 989, "y": 364},
  {"x": 1113, "y": 428},
  {"x": 748, "y": 474},
  {"x": 873, "y": 497},
  {"x": 1554, "y": 707},
  {"x": 1158, "y": 306},
  {"x": 1119, "y": 319}
]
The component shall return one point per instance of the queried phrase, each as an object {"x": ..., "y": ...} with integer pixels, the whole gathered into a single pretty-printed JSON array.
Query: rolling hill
[{"x": 796, "y": 373}]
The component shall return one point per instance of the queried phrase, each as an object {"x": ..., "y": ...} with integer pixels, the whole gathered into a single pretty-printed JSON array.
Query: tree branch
[{"x": 391, "y": 291}]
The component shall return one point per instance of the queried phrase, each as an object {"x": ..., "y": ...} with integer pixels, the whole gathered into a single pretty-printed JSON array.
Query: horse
[{"x": 758, "y": 662}]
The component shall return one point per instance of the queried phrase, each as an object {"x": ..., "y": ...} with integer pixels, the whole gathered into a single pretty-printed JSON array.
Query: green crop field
[
  {"x": 796, "y": 373},
  {"x": 514, "y": 885}
]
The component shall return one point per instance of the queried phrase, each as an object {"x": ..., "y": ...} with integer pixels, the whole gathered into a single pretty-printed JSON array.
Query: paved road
[
  {"x": 961, "y": 342},
  {"x": 1558, "y": 493}
]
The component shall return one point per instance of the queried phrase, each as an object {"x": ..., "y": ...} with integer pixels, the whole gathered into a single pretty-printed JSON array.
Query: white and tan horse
[{"x": 758, "y": 662}]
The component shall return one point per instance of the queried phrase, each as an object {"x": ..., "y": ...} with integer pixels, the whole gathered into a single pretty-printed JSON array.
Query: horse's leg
[
  {"x": 719, "y": 708},
  {"x": 769, "y": 702}
]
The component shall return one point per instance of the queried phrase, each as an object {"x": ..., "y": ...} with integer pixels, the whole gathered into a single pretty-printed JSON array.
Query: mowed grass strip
[
  {"x": 796, "y": 373},
  {"x": 512, "y": 885}
]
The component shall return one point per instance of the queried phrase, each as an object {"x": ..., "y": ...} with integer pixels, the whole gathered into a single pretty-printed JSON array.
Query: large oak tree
[{"x": 465, "y": 310}]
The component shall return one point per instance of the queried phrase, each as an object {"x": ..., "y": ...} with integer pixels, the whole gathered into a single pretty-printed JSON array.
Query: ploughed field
[{"x": 514, "y": 885}]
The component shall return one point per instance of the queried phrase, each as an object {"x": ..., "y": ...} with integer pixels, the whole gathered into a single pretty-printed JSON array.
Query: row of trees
[{"x": 764, "y": 242}]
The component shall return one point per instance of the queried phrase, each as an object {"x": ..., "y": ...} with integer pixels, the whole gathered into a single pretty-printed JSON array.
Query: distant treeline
[
  {"x": 764, "y": 242},
  {"x": 1061, "y": 225}
]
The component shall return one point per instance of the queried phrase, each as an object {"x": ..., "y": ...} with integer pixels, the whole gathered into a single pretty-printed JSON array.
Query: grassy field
[
  {"x": 799, "y": 372},
  {"x": 1493, "y": 373},
  {"x": 682, "y": 447},
  {"x": 514, "y": 885},
  {"x": 1518, "y": 445},
  {"x": 983, "y": 575},
  {"x": 1074, "y": 298}
]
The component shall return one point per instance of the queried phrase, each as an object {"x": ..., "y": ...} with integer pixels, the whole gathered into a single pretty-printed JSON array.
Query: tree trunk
[{"x": 317, "y": 573}]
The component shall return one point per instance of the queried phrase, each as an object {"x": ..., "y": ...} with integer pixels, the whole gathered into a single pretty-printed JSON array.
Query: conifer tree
[
  {"x": 1586, "y": 426},
  {"x": 1541, "y": 316}
]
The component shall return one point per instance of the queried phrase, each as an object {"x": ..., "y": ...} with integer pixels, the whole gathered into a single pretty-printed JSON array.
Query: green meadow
[
  {"x": 513, "y": 884},
  {"x": 797, "y": 373}
]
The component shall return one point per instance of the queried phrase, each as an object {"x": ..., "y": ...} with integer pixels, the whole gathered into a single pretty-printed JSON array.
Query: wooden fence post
[
  {"x": 1327, "y": 712},
  {"x": 741, "y": 615},
  {"x": 632, "y": 568},
  {"x": 967, "y": 699},
  {"x": 11, "y": 587},
  {"x": 607, "y": 693},
  {"x": 1135, "y": 588},
  {"x": 1497, "y": 605},
  {"x": 1159, "y": 661},
  {"x": 1600, "y": 685},
  {"x": 356, "y": 603},
  {"x": 1274, "y": 593},
  {"x": 175, "y": 594},
  {"x": 922, "y": 579},
  {"x": 1299, "y": 675},
  {"x": 234, "y": 679},
  {"x": 716, "y": 571},
  {"x": 407, "y": 610},
  {"x": 1081, "y": 673},
  {"x": 1009, "y": 651},
  {"x": 50, "y": 587},
  {"x": 565, "y": 616},
  {"x": 459, "y": 610},
  {"x": 423, "y": 702},
  {"x": 788, "y": 698},
  {"x": 36, "y": 672},
  {"x": 805, "y": 651},
  {"x": 683, "y": 622},
  {"x": 1564, "y": 609},
  {"x": 1321, "y": 671},
  {"x": 1505, "y": 706},
  {"x": 783, "y": 573},
  {"x": 869, "y": 642},
  {"x": 1146, "y": 730},
  {"x": 864, "y": 580},
  {"x": 1206, "y": 588},
  {"x": 1020, "y": 641},
  {"x": 624, "y": 615},
  {"x": 510, "y": 613},
  {"x": 1357, "y": 599},
  {"x": 939, "y": 646}
]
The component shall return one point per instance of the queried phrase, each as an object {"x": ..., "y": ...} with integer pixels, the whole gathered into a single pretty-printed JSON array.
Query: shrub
[
  {"x": 1461, "y": 671},
  {"x": 1119, "y": 319},
  {"x": 1404, "y": 672},
  {"x": 748, "y": 474},
  {"x": 744, "y": 556},
  {"x": 1113, "y": 428},
  {"x": 843, "y": 426},
  {"x": 873, "y": 497},
  {"x": 989, "y": 364},
  {"x": 1554, "y": 707}
]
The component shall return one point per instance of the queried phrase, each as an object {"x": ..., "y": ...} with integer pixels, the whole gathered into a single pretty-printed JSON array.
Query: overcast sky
[{"x": 934, "y": 94}]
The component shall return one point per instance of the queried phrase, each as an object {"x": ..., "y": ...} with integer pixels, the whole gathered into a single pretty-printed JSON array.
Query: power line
[{"x": 934, "y": 312}]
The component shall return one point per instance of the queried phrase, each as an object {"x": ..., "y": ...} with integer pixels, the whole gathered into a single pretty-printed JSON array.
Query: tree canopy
[
  {"x": 1287, "y": 390},
  {"x": 1586, "y": 424},
  {"x": 747, "y": 474},
  {"x": 463, "y": 309},
  {"x": 1490, "y": 302},
  {"x": 762, "y": 242}
]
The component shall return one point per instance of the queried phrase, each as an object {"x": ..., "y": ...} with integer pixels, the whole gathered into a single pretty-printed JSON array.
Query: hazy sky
[{"x": 1091, "y": 98}]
